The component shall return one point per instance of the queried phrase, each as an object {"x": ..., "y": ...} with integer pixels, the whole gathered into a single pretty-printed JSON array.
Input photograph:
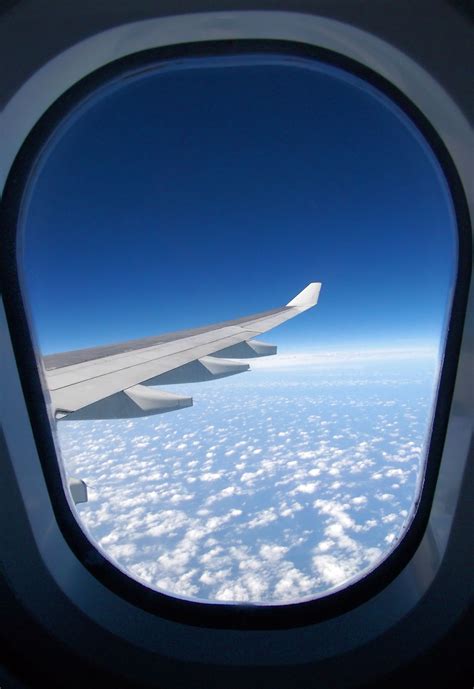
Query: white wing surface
[{"x": 113, "y": 381}]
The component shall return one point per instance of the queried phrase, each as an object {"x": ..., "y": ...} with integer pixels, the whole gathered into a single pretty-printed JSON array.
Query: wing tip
[{"x": 308, "y": 297}]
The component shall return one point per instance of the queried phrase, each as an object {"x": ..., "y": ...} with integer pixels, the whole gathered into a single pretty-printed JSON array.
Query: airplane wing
[{"x": 114, "y": 381}]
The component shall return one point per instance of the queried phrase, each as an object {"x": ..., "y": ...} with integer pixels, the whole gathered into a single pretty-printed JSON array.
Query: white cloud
[
  {"x": 389, "y": 518},
  {"x": 263, "y": 518},
  {"x": 211, "y": 476},
  {"x": 212, "y": 577},
  {"x": 272, "y": 552},
  {"x": 293, "y": 584},
  {"x": 232, "y": 591},
  {"x": 288, "y": 510},
  {"x": 169, "y": 521},
  {"x": 385, "y": 497},
  {"x": 305, "y": 488},
  {"x": 124, "y": 551},
  {"x": 249, "y": 476},
  {"x": 169, "y": 502},
  {"x": 325, "y": 545},
  {"x": 331, "y": 570},
  {"x": 335, "y": 511},
  {"x": 177, "y": 560},
  {"x": 359, "y": 500}
]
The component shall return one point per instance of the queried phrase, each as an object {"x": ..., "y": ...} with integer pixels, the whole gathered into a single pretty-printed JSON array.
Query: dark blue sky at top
[{"x": 190, "y": 196}]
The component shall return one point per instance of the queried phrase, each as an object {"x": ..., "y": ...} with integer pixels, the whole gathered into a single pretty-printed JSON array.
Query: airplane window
[{"x": 172, "y": 219}]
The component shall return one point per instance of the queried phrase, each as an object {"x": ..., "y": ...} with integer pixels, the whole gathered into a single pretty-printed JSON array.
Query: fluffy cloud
[{"x": 275, "y": 488}]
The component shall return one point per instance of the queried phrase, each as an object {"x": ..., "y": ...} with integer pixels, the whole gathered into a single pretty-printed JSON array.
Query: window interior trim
[{"x": 407, "y": 597}]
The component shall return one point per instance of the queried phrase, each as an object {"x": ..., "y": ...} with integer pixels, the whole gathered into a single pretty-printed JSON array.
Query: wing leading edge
[{"x": 113, "y": 382}]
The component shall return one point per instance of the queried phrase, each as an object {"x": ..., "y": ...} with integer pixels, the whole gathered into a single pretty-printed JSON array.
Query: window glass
[{"x": 203, "y": 190}]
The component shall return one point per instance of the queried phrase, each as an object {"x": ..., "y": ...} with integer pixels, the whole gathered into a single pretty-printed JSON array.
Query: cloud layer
[{"x": 275, "y": 486}]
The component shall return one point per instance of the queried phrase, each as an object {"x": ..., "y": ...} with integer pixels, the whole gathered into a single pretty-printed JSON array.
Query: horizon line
[{"x": 328, "y": 356}]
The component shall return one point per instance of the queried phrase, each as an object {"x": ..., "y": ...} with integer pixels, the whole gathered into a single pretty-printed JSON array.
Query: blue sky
[{"x": 189, "y": 196}]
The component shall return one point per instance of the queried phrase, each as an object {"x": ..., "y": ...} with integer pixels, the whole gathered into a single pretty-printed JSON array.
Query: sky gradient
[{"x": 194, "y": 195}]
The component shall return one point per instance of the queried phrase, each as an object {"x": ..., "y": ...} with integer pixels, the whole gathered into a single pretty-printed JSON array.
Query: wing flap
[
  {"x": 250, "y": 349},
  {"x": 200, "y": 370},
  {"x": 133, "y": 403}
]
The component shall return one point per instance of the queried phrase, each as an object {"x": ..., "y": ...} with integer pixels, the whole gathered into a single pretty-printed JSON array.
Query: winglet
[{"x": 307, "y": 297}]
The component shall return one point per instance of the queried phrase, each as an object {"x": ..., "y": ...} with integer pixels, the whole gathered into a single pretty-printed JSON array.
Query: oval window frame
[{"x": 216, "y": 614}]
